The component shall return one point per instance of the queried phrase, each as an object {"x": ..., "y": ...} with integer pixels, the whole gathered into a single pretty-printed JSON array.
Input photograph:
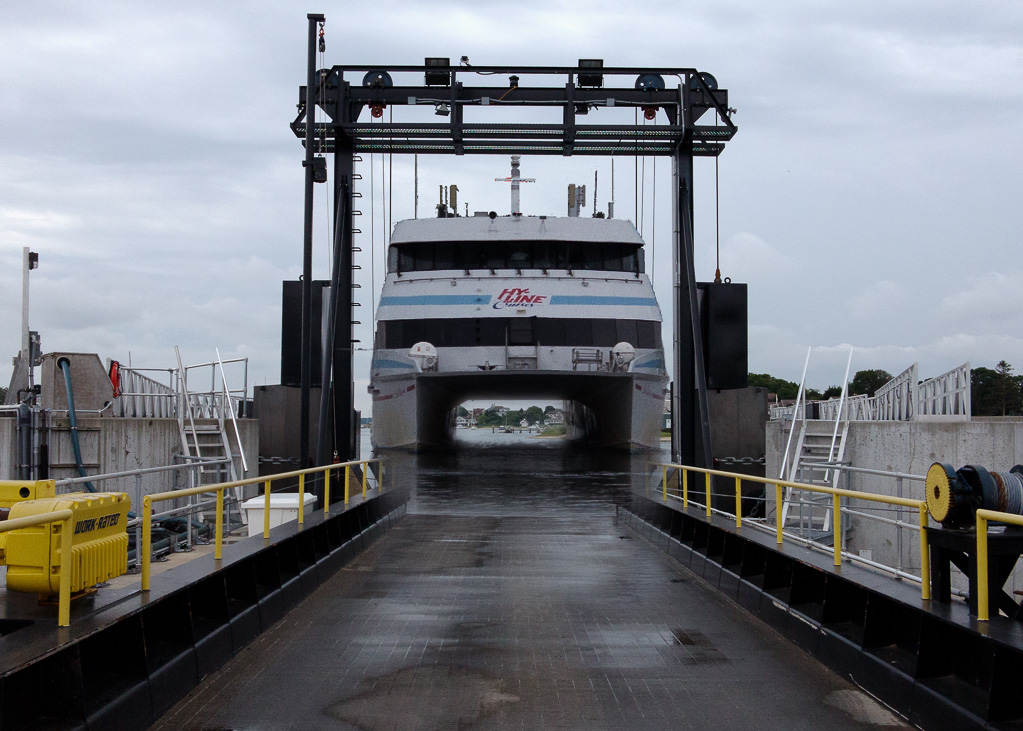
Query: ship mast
[{"x": 515, "y": 178}]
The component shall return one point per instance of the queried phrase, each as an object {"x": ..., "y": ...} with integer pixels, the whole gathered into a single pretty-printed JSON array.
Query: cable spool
[
  {"x": 949, "y": 499},
  {"x": 985, "y": 489}
]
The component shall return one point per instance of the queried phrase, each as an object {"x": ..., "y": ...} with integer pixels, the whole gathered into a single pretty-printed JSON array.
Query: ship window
[
  {"x": 629, "y": 258},
  {"x": 627, "y": 332},
  {"x": 648, "y": 334},
  {"x": 604, "y": 333},
  {"x": 406, "y": 261},
  {"x": 392, "y": 259},
  {"x": 460, "y": 333},
  {"x": 520, "y": 255},
  {"x": 578, "y": 333},
  {"x": 593, "y": 257},
  {"x": 424, "y": 256},
  {"x": 550, "y": 331},
  {"x": 495, "y": 256},
  {"x": 444, "y": 256},
  {"x": 520, "y": 331},
  {"x": 500, "y": 331}
]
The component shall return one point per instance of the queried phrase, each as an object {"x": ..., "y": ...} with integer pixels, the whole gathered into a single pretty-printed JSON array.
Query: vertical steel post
[
  {"x": 218, "y": 551},
  {"x": 738, "y": 502},
  {"x": 836, "y": 526},
  {"x": 777, "y": 512},
  {"x": 307, "y": 243},
  {"x": 146, "y": 548},
  {"x": 348, "y": 479},
  {"x": 326, "y": 492},
  {"x": 301, "y": 499},
  {"x": 925, "y": 554},
  {"x": 64, "y": 600},
  {"x": 266, "y": 509},
  {"x": 982, "y": 593},
  {"x": 690, "y": 419}
]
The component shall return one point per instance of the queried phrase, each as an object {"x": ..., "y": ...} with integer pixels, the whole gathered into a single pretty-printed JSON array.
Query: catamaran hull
[{"x": 607, "y": 410}]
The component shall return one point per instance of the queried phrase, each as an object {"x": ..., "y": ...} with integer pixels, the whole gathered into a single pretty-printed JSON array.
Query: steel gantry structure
[{"x": 674, "y": 111}]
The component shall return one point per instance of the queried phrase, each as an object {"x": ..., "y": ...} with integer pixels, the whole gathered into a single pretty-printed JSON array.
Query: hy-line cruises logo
[{"x": 518, "y": 297}]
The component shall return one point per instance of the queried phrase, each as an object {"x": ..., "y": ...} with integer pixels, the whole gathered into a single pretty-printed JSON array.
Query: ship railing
[
  {"x": 687, "y": 485},
  {"x": 365, "y": 480}
]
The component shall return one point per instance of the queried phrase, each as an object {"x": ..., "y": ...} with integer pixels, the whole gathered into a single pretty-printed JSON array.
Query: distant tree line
[
  {"x": 993, "y": 392},
  {"x": 493, "y": 417}
]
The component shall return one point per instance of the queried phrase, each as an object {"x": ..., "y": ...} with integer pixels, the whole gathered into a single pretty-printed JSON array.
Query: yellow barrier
[
  {"x": 837, "y": 494},
  {"x": 64, "y": 517},
  {"x": 983, "y": 516},
  {"x": 147, "y": 504}
]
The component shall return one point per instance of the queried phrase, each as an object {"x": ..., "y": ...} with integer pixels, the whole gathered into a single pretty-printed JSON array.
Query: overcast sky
[{"x": 871, "y": 197}]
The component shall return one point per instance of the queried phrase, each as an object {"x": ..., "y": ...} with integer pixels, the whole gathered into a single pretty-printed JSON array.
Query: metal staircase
[
  {"x": 205, "y": 434},
  {"x": 809, "y": 513}
]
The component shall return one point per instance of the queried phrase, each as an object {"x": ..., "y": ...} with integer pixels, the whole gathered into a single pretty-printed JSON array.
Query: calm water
[{"x": 516, "y": 474}]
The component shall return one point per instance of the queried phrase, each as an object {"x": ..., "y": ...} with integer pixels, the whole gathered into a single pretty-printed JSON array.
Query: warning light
[
  {"x": 649, "y": 112},
  {"x": 377, "y": 110}
]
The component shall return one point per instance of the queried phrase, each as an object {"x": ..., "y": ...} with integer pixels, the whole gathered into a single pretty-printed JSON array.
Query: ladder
[
  {"x": 202, "y": 428},
  {"x": 810, "y": 512}
]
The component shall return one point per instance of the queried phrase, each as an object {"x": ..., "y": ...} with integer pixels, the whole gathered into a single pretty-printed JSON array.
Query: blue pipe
[{"x": 65, "y": 365}]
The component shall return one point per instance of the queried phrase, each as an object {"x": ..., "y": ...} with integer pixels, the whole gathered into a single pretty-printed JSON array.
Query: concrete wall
[
  {"x": 122, "y": 444},
  {"x": 910, "y": 448},
  {"x": 8, "y": 447}
]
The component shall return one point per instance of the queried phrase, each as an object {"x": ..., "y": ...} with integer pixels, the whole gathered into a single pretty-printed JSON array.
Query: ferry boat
[{"x": 490, "y": 307}]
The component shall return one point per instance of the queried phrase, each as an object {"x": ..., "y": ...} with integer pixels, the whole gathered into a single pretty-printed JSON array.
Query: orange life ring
[{"x": 115, "y": 377}]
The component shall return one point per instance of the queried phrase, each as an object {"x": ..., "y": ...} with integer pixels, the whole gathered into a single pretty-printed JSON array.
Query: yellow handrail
[
  {"x": 66, "y": 537},
  {"x": 147, "y": 504},
  {"x": 983, "y": 516},
  {"x": 837, "y": 494}
]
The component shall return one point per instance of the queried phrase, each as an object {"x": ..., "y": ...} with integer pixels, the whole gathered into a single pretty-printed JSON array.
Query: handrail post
[
  {"x": 925, "y": 555},
  {"x": 738, "y": 502},
  {"x": 365, "y": 478},
  {"x": 982, "y": 597},
  {"x": 348, "y": 479},
  {"x": 777, "y": 512},
  {"x": 326, "y": 492},
  {"x": 685, "y": 488},
  {"x": 218, "y": 551},
  {"x": 707, "y": 475},
  {"x": 64, "y": 601},
  {"x": 266, "y": 509},
  {"x": 301, "y": 498},
  {"x": 836, "y": 526},
  {"x": 146, "y": 548},
  {"x": 664, "y": 481}
]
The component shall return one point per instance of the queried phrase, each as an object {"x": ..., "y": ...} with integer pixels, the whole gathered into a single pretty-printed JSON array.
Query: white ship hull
[{"x": 517, "y": 308}]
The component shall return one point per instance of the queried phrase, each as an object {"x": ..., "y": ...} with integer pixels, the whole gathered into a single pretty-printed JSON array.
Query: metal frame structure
[{"x": 344, "y": 93}]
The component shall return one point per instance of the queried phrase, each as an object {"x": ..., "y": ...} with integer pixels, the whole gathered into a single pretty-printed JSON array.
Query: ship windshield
[{"x": 430, "y": 256}]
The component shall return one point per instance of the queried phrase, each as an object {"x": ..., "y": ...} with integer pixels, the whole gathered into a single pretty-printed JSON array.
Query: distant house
[
  {"x": 553, "y": 418},
  {"x": 461, "y": 422},
  {"x": 524, "y": 424}
]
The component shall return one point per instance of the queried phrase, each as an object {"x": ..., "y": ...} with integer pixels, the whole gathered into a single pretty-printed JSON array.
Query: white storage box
[{"x": 283, "y": 508}]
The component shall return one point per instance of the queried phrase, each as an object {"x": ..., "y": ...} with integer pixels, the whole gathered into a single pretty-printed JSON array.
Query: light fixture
[
  {"x": 591, "y": 78},
  {"x": 441, "y": 109},
  {"x": 438, "y": 78}
]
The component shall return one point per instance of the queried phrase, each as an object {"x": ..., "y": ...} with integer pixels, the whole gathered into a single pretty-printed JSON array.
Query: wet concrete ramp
[{"x": 538, "y": 611}]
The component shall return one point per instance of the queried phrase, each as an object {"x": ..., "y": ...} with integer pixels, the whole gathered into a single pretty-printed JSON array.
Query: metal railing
[
  {"x": 837, "y": 494},
  {"x": 145, "y": 550},
  {"x": 983, "y": 516},
  {"x": 903, "y": 398},
  {"x": 65, "y": 518}
]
